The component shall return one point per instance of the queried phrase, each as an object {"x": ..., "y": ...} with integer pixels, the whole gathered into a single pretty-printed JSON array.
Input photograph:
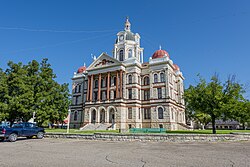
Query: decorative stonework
[
  {"x": 104, "y": 62},
  {"x": 107, "y": 82}
]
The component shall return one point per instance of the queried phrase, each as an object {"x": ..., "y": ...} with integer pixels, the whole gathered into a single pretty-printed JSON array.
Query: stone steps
[{"x": 97, "y": 126}]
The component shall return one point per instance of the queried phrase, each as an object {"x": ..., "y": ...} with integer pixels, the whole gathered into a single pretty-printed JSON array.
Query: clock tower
[{"x": 127, "y": 47}]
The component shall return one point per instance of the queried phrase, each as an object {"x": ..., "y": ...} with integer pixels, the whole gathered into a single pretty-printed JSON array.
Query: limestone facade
[{"x": 124, "y": 92}]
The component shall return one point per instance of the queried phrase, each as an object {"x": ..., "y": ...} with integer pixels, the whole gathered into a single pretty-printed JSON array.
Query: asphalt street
[{"x": 81, "y": 153}]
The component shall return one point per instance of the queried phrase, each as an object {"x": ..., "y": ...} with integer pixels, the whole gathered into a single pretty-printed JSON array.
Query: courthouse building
[{"x": 122, "y": 91}]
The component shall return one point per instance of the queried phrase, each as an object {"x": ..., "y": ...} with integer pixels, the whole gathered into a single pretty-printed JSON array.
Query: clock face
[{"x": 121, "y": 38}]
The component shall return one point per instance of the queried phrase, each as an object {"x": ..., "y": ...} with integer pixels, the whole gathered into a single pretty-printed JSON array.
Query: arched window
[
  {"x": 130, "y": 53},
  {"x": 76, "y": 88},
  {"x": 155, "y": 78},
  {"x": 130, "y": 79},
  {"x": 160, "y": 113},
  {"x": 146, "y": 80},
  {"x": 162, "y": 77},
  {"x": 121, "y": 55},
  {"x": 96, "y": 83},
  {"x": 75, "y": 115}
]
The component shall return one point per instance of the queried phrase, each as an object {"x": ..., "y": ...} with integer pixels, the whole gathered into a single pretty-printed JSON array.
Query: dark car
[{"x": 24, "y": 129}]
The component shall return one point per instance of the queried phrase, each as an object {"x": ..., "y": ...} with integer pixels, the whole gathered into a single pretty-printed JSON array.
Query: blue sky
[{"x": 201, "y": 36}]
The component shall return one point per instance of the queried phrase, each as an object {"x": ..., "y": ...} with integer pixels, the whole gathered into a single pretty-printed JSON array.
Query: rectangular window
[
  {"x": 159, "y": 93},
  {"x": 76, "y": 100},
  {"x": 155, "y": 78},
  {"x": 76, "y": 89},
  {"x": 79, "y": 88},
  {"x": 129, "y": 113},
  {"x": 103, "y": 94},
  {"x": 139, "y": 113},
  {"x": 95, "y": 96},
  {"x": 147, "y": 113},
  {"x": 139, "y": 94},
  {"x": 114, "y": 94},
  {"x": 146, "y": 94},
  {"x": 172, "y": 114},
  {"x": 75, "y": 116},
  {"x": 162, "y": 77},
  {"x": 129, "y": 93}
]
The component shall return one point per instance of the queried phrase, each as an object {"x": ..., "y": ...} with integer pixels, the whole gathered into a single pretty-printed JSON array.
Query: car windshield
[{"x": 4, "y": 125}]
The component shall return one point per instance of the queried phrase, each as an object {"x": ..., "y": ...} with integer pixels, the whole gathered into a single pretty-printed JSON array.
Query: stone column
[
  {"x": 107, "y": 117},
  {"x": 98, "y": 116},
  {"x": 121, "y": 83},
  {"x": 99, "y": 87},
  {"x": 117, "y": 93},
  {"x": 91, "y": 88},
  {"x": 87, "y": 98},
  {"x": 90, "y": 116},
  {"x": 108, "y": 85}
]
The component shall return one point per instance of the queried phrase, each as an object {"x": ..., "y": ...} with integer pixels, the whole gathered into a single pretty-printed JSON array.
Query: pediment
[{"x": 102, "y": 61}]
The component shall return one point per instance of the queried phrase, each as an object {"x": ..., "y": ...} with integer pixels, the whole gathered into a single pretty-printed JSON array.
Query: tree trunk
[
  {"x": 243, "y": 126},
  {"x": 213, "y": 124},
  {"x": 203, "y": 127}
]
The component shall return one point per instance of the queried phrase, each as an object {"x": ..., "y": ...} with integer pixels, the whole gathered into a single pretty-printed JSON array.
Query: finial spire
[
  {"x": 160, "y": 47},
  {"x": 93, "y": 56},
  {"x": 127, "y": 24},
  {"x": 84, "y": 64}
]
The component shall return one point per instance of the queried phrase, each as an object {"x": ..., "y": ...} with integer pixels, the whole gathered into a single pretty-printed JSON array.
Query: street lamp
[{"x": 68, "y": 120}]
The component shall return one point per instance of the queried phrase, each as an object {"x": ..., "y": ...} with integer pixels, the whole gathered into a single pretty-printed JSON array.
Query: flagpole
[{"x": 68, "y": 121}]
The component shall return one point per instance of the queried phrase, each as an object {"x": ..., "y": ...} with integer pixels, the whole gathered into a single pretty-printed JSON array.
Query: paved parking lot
[{"x": 69, "y": 152}]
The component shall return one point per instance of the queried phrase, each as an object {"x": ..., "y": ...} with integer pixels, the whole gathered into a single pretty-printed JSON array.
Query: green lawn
[
  {"x": 76, "y": 131},
  {"x": 207, "y": 131}
]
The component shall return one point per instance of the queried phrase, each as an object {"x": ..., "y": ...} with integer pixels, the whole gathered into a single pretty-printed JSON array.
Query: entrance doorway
[
  {"x": 112, "y": 116},
  {"x": 93, "y": 116},
  {"x": 102, "y": 116}
]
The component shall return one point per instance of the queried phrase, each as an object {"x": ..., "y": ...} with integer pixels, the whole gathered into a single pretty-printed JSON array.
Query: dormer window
[{"x": 121, "y": 55}]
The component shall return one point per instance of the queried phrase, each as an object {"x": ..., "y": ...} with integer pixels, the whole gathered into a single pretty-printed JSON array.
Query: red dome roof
[
  {"x": 159, "y": 54},
  {"x": 176, "y": 67},
  {"x": 81, "y": 69}
]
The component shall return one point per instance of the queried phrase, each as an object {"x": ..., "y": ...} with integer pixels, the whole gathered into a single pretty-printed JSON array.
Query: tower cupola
[{"x": 127, "y": 24}]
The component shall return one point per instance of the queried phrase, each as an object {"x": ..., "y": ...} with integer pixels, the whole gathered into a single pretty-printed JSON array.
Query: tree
[
  {"x": 214, "y": 98},
  {"x": 19, "y": 92},
  {"x": 242, "y": 112},
  {"x": 3, "y": 96},
  {"x": 25, "y": 89}
]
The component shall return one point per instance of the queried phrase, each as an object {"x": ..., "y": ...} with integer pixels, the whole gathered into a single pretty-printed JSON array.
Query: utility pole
[{"x": 68, "y": 120}]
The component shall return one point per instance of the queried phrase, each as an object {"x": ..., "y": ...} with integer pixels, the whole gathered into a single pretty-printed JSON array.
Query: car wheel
[
  {"x": 40, "y": 135},
  {"x": 1, "y": 139},
  {"x": 12, "y": 137}
]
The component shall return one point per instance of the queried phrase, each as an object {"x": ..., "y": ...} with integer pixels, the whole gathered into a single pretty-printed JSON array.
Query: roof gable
[{"x": 104, "y": 60}]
